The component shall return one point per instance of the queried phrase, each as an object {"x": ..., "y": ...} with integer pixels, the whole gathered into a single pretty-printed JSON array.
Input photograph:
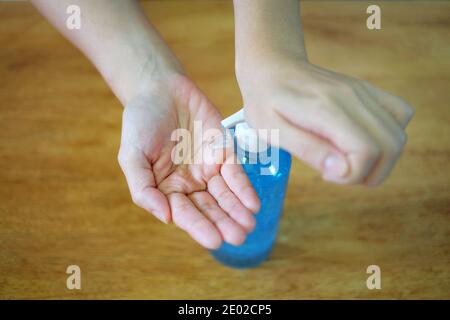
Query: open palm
[{"x": 212, "y": 200}]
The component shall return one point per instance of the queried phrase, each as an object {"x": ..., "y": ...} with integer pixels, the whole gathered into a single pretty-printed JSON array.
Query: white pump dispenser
[{"x": 246, "y": 137}]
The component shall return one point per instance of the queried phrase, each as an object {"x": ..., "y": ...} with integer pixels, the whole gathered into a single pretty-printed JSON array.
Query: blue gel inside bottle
[{"x": 270, "y": 179}]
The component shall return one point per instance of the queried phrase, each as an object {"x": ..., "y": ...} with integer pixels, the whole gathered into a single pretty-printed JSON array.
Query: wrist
[
  {"x": 155, "y": 76},
  {"x": 130, "y": 72},
  {"x": 260, "y": 64},
  {"x": 254, "y": 75}
]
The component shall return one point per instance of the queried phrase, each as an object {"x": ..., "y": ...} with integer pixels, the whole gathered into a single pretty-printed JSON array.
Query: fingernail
[{"x": 336, "y": 166}]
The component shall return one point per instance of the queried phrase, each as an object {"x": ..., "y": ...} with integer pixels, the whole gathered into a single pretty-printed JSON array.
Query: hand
[
  {"x": 350, "y": 131},
  {"x": 212, "y": 202}
]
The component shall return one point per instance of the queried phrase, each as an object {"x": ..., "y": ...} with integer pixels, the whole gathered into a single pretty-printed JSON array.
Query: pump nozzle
[
  {"x": 234, "y": 119},
  {"x": 247, "y": 137}
]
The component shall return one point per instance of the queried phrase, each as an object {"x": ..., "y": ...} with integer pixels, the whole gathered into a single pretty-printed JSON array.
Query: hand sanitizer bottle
[{"x": 268, "y": 170}]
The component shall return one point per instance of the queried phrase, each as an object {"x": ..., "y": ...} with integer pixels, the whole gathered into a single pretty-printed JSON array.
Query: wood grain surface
[{"x": 64, "y": 201}]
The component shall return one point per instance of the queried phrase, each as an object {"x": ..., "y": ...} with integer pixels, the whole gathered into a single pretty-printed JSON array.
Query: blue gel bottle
[{"x": 268, "y": 172}]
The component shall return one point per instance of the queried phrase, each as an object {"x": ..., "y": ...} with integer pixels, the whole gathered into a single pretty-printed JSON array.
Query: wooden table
[{"x": 64, "y": 201}]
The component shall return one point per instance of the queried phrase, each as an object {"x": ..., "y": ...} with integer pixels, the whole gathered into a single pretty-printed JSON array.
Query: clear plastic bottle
[{"x": 270, "y": 179}]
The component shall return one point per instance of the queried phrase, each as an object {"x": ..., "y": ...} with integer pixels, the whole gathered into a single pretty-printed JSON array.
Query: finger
[
  {"x": 328, "y": 139},
  {"x": 231, "y": 231},
  {"x": 400, "y": 110},
  {"x": 389, "y": 134},
  {"x": 186, "y": 216},
  {"x": 238, "y": 182},
  {"x": 139, "y": 175},
  {"x": 347, "y": 163},
  {"x": 391, "y": 147},
  {"x": 228, "y": 201},
  {"x": 385, "y": 165}
]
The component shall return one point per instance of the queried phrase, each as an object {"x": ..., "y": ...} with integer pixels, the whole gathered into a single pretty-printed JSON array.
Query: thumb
[
  {"x": 141, "y": 183},
  {"x": 316, "y": 152}
]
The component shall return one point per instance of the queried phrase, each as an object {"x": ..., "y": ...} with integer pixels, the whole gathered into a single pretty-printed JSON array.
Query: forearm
[
  {"x": 266, "y": 30},
  {"x": 119, "y": 40}
]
